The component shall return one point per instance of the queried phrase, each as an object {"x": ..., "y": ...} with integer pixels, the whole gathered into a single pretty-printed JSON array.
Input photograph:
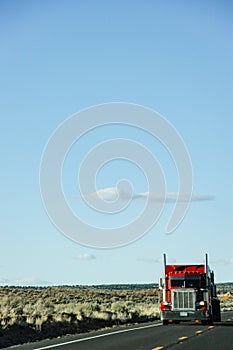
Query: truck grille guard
[{"x": 183, "y": 299}]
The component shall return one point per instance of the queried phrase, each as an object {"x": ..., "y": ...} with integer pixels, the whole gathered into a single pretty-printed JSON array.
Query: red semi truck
[{"x": 189, "y": 294}]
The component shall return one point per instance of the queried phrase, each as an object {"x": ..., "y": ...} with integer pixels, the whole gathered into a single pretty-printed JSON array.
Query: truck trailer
[{"x": 189, "y": 294}]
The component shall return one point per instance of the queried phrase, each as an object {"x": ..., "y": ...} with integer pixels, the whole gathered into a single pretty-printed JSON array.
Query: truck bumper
[{"x": 184, "y": 315}]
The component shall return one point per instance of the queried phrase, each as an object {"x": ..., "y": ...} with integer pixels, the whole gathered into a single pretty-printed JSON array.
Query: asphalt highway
[{"x": 185, "y": 336}]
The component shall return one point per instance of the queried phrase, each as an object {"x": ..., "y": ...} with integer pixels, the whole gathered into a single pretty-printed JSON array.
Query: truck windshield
[
  {"x": 186, "y": 282},
  {"x": 192, "y": 282},
  {"x": 177, "y": 282}
]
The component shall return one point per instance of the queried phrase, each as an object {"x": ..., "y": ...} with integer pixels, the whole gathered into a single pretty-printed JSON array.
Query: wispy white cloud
[
  {"x": 174, "y": 261},
  {"x": 149, "y": 260},
  {"x": 30, "y": 281},
  {"x": 109, "y": 193},
  {"x": 112, "y": 194},
  {"x": 85, "y": 257},
  {"x": 25, "y": 281},
  {"x": 156, "y": 260},
  {"x": 4, "y": 281},
  {"x": 223, "y": 261}
]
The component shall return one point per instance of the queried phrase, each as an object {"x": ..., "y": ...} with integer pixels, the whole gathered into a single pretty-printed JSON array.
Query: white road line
[{"x": 98, "y": 336}]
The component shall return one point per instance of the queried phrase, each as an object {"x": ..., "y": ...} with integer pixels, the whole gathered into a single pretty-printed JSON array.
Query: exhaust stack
[
  {"x": 165, "y": 263},
  {"x": 206, "y": 270}
]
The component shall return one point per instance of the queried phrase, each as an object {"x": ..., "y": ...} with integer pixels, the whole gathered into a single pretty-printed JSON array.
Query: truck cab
[{"x": 188, "y": 294}]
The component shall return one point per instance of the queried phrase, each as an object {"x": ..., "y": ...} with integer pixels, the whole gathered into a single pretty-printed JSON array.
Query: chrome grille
[{"x": 183, "y": 299}]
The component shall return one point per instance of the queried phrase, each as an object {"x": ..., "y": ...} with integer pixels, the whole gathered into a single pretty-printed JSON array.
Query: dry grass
[
  {"x": 225, "y": 294},
  {"x": 53, "y": 311}
]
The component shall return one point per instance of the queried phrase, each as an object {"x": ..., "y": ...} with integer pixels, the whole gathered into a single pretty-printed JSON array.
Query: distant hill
[
  {"x": 141, "y": 286},
  {"x": 111, "y": 287}
]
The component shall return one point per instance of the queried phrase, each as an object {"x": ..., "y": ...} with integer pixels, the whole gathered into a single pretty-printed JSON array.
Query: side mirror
[{"x": 161, "y": 283}]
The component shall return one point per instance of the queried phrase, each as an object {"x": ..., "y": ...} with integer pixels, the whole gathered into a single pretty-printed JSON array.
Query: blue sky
[{"x": 59, "y": 57}]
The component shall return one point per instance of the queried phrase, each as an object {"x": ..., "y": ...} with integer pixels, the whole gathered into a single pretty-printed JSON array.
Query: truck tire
[
  {"x": 165, "y": 322},
  {"x": 216, "y": 310},
  {"x": 210, "y": 318}
]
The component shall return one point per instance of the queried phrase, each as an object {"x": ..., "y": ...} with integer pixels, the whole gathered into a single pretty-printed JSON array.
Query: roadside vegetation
[
  {"x": 29, "y": 314},
  {"x": 225, "y": 294}
]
